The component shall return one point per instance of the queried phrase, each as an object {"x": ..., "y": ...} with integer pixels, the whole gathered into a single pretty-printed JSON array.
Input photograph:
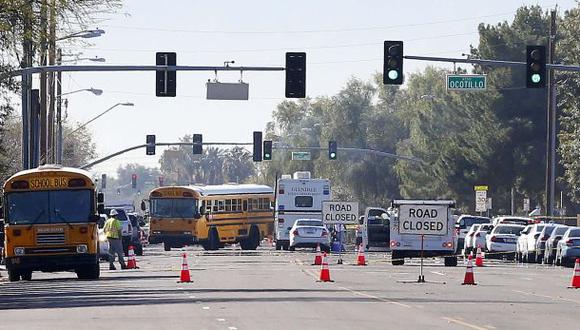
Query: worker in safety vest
[
  {"x": 358, "y": 233},
  {"x": 113, "y": 231}
]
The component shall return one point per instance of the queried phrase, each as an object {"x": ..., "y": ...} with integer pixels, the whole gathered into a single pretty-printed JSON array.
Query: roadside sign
[
  {"x": 488, "y": 204},
  {"x": 340, "y": 212},
  {"x": 301, "y": 155},
  {"x": 526, "y": 205},
  {"x": 423, "y": 219},
  {"x": 480, "y": 198},
  {"x": 466, "y": 82}
]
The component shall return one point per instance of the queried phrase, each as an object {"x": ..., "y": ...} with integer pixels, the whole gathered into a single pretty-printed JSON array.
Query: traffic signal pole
[{"x": 551, "y": 123}]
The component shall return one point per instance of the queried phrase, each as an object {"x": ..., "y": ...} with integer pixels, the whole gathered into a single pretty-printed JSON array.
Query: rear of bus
[
  {"x": 51, "y": 222},
  {"x": 173, "y": 215},
  {"x": 298, "y": 198}
]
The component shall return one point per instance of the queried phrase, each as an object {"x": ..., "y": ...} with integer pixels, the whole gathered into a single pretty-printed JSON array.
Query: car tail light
[
  {"x": 295, "y": 233},
  {"x": 545, "y": 238},
  {"x": 570, "y": 242},
  {"x": 393, "y": 243},
  {"x": 324, "y": 233},
  {"x": 477, "y": 235}
]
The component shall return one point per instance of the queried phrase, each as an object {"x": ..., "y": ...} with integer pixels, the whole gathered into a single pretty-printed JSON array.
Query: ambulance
[
  {"x": 297, "y": 197},
  {"x": 422, "y": 228}
]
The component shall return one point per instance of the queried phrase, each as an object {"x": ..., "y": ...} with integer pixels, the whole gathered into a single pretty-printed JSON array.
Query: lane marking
[
  {"x": 205, "y": 308},
  {"x": 374, "y": 297},
  {"x": 437, "y": 273},
  {"x": 465, "y": 324},
  {"x": 549, "y": 297},
  {"x": 221, "y": 320},
  {"x": 232, "y": 328}
]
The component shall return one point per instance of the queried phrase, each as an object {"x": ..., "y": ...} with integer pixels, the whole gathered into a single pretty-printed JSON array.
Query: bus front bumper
[{"x": 50, "y": 263}]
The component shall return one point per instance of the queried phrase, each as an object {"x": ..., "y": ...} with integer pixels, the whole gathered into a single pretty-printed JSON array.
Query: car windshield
[
  {"x": 469, "y": 221},
  {"x": 515, "y": 221},
  {"x": 514, "y": 230},
  {"x": 173, "y": 207},
  {"x": 485, "y": 228},
  {"x": 316, "y": 223},
  {"x": 548, "y": 230},
  {"x": 42, "y": 207},
  {"x": 574, "y": 233},
  {"x": 561, "y": 231}
]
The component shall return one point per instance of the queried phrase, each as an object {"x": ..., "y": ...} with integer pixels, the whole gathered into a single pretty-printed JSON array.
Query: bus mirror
[
  {"x": 101, "y": 208},
  {"x": 197, "y": 215},
  {"x": 385, "y": 216},
  {"x": 100, "y": 198},
  {"x": 143, "y": 205}
]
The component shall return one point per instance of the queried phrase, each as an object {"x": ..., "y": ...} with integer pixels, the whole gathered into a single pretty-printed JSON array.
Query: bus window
[
  {"x": 303, "y": 201},
  {"x": 245, "y": 207},
  {"x": 220, "y": 206},
  {"x": 208, "y": 206},
  {"x": 228, "y": 205}
]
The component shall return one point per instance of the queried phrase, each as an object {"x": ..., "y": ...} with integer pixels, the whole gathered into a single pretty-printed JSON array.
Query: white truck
[
  {"x": 423, "y": 228},
  {"x": 297, "y": 197}
]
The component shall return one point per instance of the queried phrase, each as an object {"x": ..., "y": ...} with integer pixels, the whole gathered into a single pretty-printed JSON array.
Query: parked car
[
  {"x": 526, "y": 248},
  {"x": 137, "y": 233},
  {"x": 568, "y": 247},
  {"x": 127, "y": 229},
  {"x": 462, "y": 226},
  {"x": 552, "y": 243},
  {"x": 541, "y": 241},
  {"x": 507, "y": 219},
  {"x": 502, "y": 240},
  {"x": 480, "y": 235},
  {"x": 468, "y": 240},
  {"x": 309, "y": 233}
]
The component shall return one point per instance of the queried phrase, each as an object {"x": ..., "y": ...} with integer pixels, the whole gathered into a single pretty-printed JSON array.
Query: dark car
[{"x": 552, "y": 243}]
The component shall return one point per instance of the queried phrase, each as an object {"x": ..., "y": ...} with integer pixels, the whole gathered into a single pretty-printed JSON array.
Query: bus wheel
[
  {"x": 214, "y": 240},
  {"x": 90, "y": 272},
  {"x": 253, "y": 240},
  {"x": 26, "y": 275},
  {"x": 166, "y": 246},
  {"x": 450, "y": 261},
  {"x": 397, "y": 260},
  {"x": 278, "y": 246},
  {"x": 13, "y": 275}
]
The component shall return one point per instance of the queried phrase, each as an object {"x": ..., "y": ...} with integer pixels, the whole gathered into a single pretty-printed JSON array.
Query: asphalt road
[{"x": 268, "y": 289}]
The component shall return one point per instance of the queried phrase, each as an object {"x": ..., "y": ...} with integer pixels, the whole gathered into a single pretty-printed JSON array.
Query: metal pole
[
  {"x": 512, "y": 201},
  {"x": 43, "y": 76},
  {"x": 58, "y": 110},
  {"x": 551, "y": 122},
  {"x": 50, "y": 157},
  {"x": 26, "y": 84}
]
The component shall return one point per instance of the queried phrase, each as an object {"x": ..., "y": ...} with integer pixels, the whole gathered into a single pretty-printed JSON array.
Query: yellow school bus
[
  {"x": 51, "y": 216},
  {"x": 173, "y": 215},
  {"x": 235, "y": 214},
  {"x": 212, "y": 215}
]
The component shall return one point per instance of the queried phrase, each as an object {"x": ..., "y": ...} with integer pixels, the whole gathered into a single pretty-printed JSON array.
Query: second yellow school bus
[{"x": 212, "y": 215}]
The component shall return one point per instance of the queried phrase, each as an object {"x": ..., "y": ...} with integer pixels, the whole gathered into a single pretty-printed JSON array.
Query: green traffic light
[
  {"x": 332, "y": 155},
  {"x": 393, "y": 74},
  {"x": 536, "y": 78}
]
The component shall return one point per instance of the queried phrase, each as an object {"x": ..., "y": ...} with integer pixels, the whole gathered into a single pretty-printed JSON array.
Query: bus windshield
[
  {"x": 173, "y": 207},
  {"x": 43, "y": 207}
]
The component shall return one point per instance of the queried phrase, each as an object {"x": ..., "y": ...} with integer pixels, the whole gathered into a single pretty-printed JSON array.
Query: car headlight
[
  {"x": 19, "y": 251},
  {"x": 82, "y": 248}
]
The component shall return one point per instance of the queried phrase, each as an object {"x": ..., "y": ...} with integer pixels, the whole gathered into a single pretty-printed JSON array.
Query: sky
[{"x": 342, "y": 39}]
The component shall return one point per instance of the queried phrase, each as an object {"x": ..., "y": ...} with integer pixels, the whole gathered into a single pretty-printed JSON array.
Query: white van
[
  {"x": 298, "y": 197},
  {"x": 429, "y": 223}
]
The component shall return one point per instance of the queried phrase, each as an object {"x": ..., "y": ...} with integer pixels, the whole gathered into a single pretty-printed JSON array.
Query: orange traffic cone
[
  {"x": 479, "y": 257},
  {"x": 318, "y": 257},
  {"x": 576, "y": 277},
  {"x": 469, "y": 279},
  {"x": 324, "y": 271},
  {"x": 184, "y": 277},
  {"x": 131, "y": 262},
  {"x": 361, "y": 260}
]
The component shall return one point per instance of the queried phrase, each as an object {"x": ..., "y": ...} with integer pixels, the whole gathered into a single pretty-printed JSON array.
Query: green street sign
[
  {"x": 466, "y": 82},
  {"x": 300, "y": 155}
]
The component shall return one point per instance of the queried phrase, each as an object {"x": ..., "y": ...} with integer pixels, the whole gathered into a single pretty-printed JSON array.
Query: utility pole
[
  {"x": 58, "y": 143},
  {"x": 43, "y": 76},
  {"x": 26, "y": 84},
  {"x": 50, "y": 157},
  {"x": 551, "y": 121}
]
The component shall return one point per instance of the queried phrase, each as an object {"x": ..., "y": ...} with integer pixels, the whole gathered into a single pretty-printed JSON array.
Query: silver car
[{"x": 309, "y": 233}]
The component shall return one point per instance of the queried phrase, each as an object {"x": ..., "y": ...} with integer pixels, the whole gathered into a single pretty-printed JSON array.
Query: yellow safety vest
[{"x": 112, "y": 228}]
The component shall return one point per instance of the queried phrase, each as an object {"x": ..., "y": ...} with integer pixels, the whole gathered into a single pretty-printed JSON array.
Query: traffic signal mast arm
[{"x": 559, "y": 67}]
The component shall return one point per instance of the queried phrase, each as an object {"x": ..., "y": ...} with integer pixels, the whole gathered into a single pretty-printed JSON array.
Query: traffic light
[
  {"x": 103, "y": 181},
  {"x": 296, "y": 75},
  {"x": 536, "y": 66},
  {"x": 267, "y": 150},
  {"x": 332, "y": 148},
  {"x": 134, "y": 181},
  {"x": 165, "y": 81},
  {"x": 393, "y": 63},
  {"x": 197, "y": 140},
  {"x": 257, "y": 155},
  {"x": 150, "y": 148}
]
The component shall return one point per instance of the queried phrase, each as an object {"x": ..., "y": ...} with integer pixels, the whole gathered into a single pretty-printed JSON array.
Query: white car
[
  {"x": 502, "y": 240},
  {"x": 103, "y": 245},
  {"x": 568, "y": 248},
  {"x": 309, "y": 233},
  {"x": 462, "y": 226},
  {"x": 507, "y": 219},
  {"x": 527, "y": 242},
  {"x": 480, "y": 235},
  {"x": 468, "y": 246}
]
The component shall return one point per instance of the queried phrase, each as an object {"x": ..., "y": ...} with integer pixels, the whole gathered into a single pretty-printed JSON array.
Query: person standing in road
[{"x": 113, "y": 231}]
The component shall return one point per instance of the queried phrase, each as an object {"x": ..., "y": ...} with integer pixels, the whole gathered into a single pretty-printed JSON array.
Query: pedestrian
[
  {"x": 113, "y": 231},
  {"x": 359, "y": 235}
]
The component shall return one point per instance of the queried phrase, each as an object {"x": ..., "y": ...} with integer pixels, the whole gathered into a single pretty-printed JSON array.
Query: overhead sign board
[
  {"x": 526, "y": 205},
  {"x": 466, "y": 82},
  {"x": 301, "y": 155},
  {"x": 227, "y": 91},
  {"x": 340, "y": 212},
  {"x": 423, "y": 219}
]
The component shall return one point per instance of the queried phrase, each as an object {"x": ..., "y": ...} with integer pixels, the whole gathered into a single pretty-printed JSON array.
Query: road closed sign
[
  {"x": 423, "y": 219},
  {"x": 340, "y": 212}
]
